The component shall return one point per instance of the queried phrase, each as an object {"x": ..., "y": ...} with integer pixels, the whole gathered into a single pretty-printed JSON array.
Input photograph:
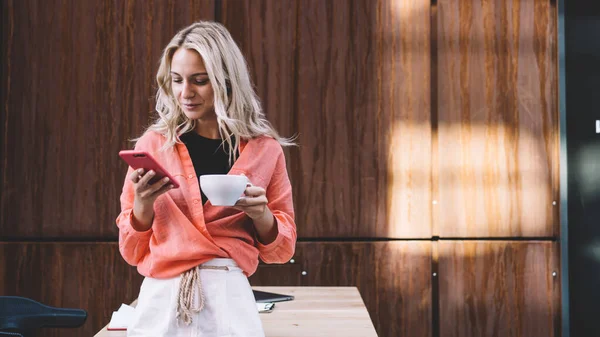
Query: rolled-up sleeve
[{"x": 279, "y": 194}]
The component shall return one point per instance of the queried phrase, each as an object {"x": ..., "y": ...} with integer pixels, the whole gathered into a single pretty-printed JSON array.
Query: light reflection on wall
[{"x": 489, "y": 182}]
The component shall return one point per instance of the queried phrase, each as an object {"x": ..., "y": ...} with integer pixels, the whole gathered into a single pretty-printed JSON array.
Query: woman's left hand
[{"x": 254, "y": 204}]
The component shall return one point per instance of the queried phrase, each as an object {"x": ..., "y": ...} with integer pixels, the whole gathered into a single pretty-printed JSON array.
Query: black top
[{"x": 209, "y": 156}]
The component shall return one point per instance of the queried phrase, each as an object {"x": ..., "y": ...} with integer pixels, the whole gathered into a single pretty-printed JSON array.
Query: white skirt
[{"x": 229, "y": 306}]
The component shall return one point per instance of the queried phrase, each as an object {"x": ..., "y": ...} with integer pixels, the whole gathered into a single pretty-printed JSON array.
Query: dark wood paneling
[
  {"x": 352, "y": 79},
  {"x": 363, "y": 107},
  {"x": 79, "y": 83},
  {"x": 499, "y": 289},
  {"x": 89, "y": 276},
  {"x": 394, "y": 279},
  {"x": 265, "y": 31},
  {"x": 498, "y": 119}
]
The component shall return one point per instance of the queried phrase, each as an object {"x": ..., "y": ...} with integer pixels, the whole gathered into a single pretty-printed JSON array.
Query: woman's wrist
[
  {"x": 266, "y": 227},
  {"x": 142, "y": 217}
]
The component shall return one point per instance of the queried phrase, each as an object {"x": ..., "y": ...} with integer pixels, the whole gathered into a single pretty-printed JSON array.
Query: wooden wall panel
[
  {"x": 394, "y": 279},
  {"x": 352, "y": 79},
  {"x": 363, "y": 107},
  {"x": 265, "y": 31},
  {"x": 80, "y": 77},
  {"x": 499, "y": 289},
  {"x": 89, "y": 276},
  {"x": 497, "y": 119}
]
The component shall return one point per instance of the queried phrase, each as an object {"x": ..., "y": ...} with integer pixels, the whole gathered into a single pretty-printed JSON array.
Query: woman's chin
[
  {"x": 193, "y": 114},
  {"x": 199, "y": 115}
]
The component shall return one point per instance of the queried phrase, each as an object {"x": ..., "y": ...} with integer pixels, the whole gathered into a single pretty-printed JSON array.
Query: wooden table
[{"x": 315, "y": 312}]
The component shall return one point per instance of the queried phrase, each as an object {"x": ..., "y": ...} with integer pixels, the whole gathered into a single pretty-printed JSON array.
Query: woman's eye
[
  {"x": 201, "y": 81},
  {"x": 177, "y": 80}
]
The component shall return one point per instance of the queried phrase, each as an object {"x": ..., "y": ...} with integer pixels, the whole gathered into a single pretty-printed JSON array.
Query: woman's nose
[{"x": 187, "y": 91}]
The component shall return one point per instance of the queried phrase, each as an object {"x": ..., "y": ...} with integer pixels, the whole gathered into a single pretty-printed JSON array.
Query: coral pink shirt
[{"x": 186, "y": 233}]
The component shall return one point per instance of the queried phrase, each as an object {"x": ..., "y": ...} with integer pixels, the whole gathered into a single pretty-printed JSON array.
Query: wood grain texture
[
  {"x": 499, "y": 289},
  {"x": 80, "y": 77},
  {"x": 498, "y": 119},
  {"x": 265, "y": 31},
  {"x": 394, "y": 279},
  {"x": 352, "y": 79},
  {"x": 318, "y": 312},
  {"x": 89, "y": 276}
]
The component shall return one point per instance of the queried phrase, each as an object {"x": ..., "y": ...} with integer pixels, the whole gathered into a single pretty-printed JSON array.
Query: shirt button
[
  {"x": 196, "y": 201},
  {"x": 191, "y": 176}
]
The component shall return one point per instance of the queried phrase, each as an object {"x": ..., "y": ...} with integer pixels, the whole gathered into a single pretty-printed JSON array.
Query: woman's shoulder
[
  {"x": 266, "y": 144},
  {"x": 150, "y": 140}
]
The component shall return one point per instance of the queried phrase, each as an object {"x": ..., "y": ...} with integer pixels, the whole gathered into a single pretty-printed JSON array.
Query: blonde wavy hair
[{"x": 238, "y": 109}]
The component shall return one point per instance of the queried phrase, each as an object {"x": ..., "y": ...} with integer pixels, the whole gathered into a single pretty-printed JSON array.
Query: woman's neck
[{"x": 208, "y": 129}]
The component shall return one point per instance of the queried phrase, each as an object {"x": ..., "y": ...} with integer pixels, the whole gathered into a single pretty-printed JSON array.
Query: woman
[{"x": 196, "y": 257}]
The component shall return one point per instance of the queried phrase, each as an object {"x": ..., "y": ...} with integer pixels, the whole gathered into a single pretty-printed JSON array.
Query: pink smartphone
[{"x": 143, "y": 160}]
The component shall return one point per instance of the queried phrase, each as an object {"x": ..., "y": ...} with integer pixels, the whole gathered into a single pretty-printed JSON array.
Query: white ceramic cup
[{"x": 223, "y": 189}]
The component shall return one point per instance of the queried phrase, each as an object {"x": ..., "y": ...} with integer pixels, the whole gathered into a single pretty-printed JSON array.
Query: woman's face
[{"x": 191, "y": 85}]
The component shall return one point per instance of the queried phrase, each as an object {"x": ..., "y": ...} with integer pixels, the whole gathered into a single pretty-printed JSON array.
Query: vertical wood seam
[
  {"x": 433, "y": 105},
  {"x": 218, "y": 11}
]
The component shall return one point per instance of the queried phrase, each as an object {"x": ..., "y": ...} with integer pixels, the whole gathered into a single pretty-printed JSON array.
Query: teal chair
[{"x": 24, "y": 317}]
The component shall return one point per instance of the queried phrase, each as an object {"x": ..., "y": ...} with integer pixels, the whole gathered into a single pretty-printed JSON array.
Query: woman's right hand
[{"x": 145, "y": 196}]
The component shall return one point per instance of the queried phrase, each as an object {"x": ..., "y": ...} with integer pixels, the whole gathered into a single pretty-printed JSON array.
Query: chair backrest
[{"x": 23, "y": 315}]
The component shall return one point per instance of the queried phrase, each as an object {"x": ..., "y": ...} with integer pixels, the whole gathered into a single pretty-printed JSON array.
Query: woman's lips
[{"x": 190, "y": 106}]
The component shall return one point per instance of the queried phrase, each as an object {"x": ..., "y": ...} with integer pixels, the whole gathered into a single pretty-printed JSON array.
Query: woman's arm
[
  {"x": 272, "y": 212},
  {"x": 133, "y": 244},
  {"x": 137, "y": 209}
]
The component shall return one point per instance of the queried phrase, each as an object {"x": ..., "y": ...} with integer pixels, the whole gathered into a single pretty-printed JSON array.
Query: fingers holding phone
[
  {"x": 146, "y": 187},
  {"x": 150, "y": 180}
]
